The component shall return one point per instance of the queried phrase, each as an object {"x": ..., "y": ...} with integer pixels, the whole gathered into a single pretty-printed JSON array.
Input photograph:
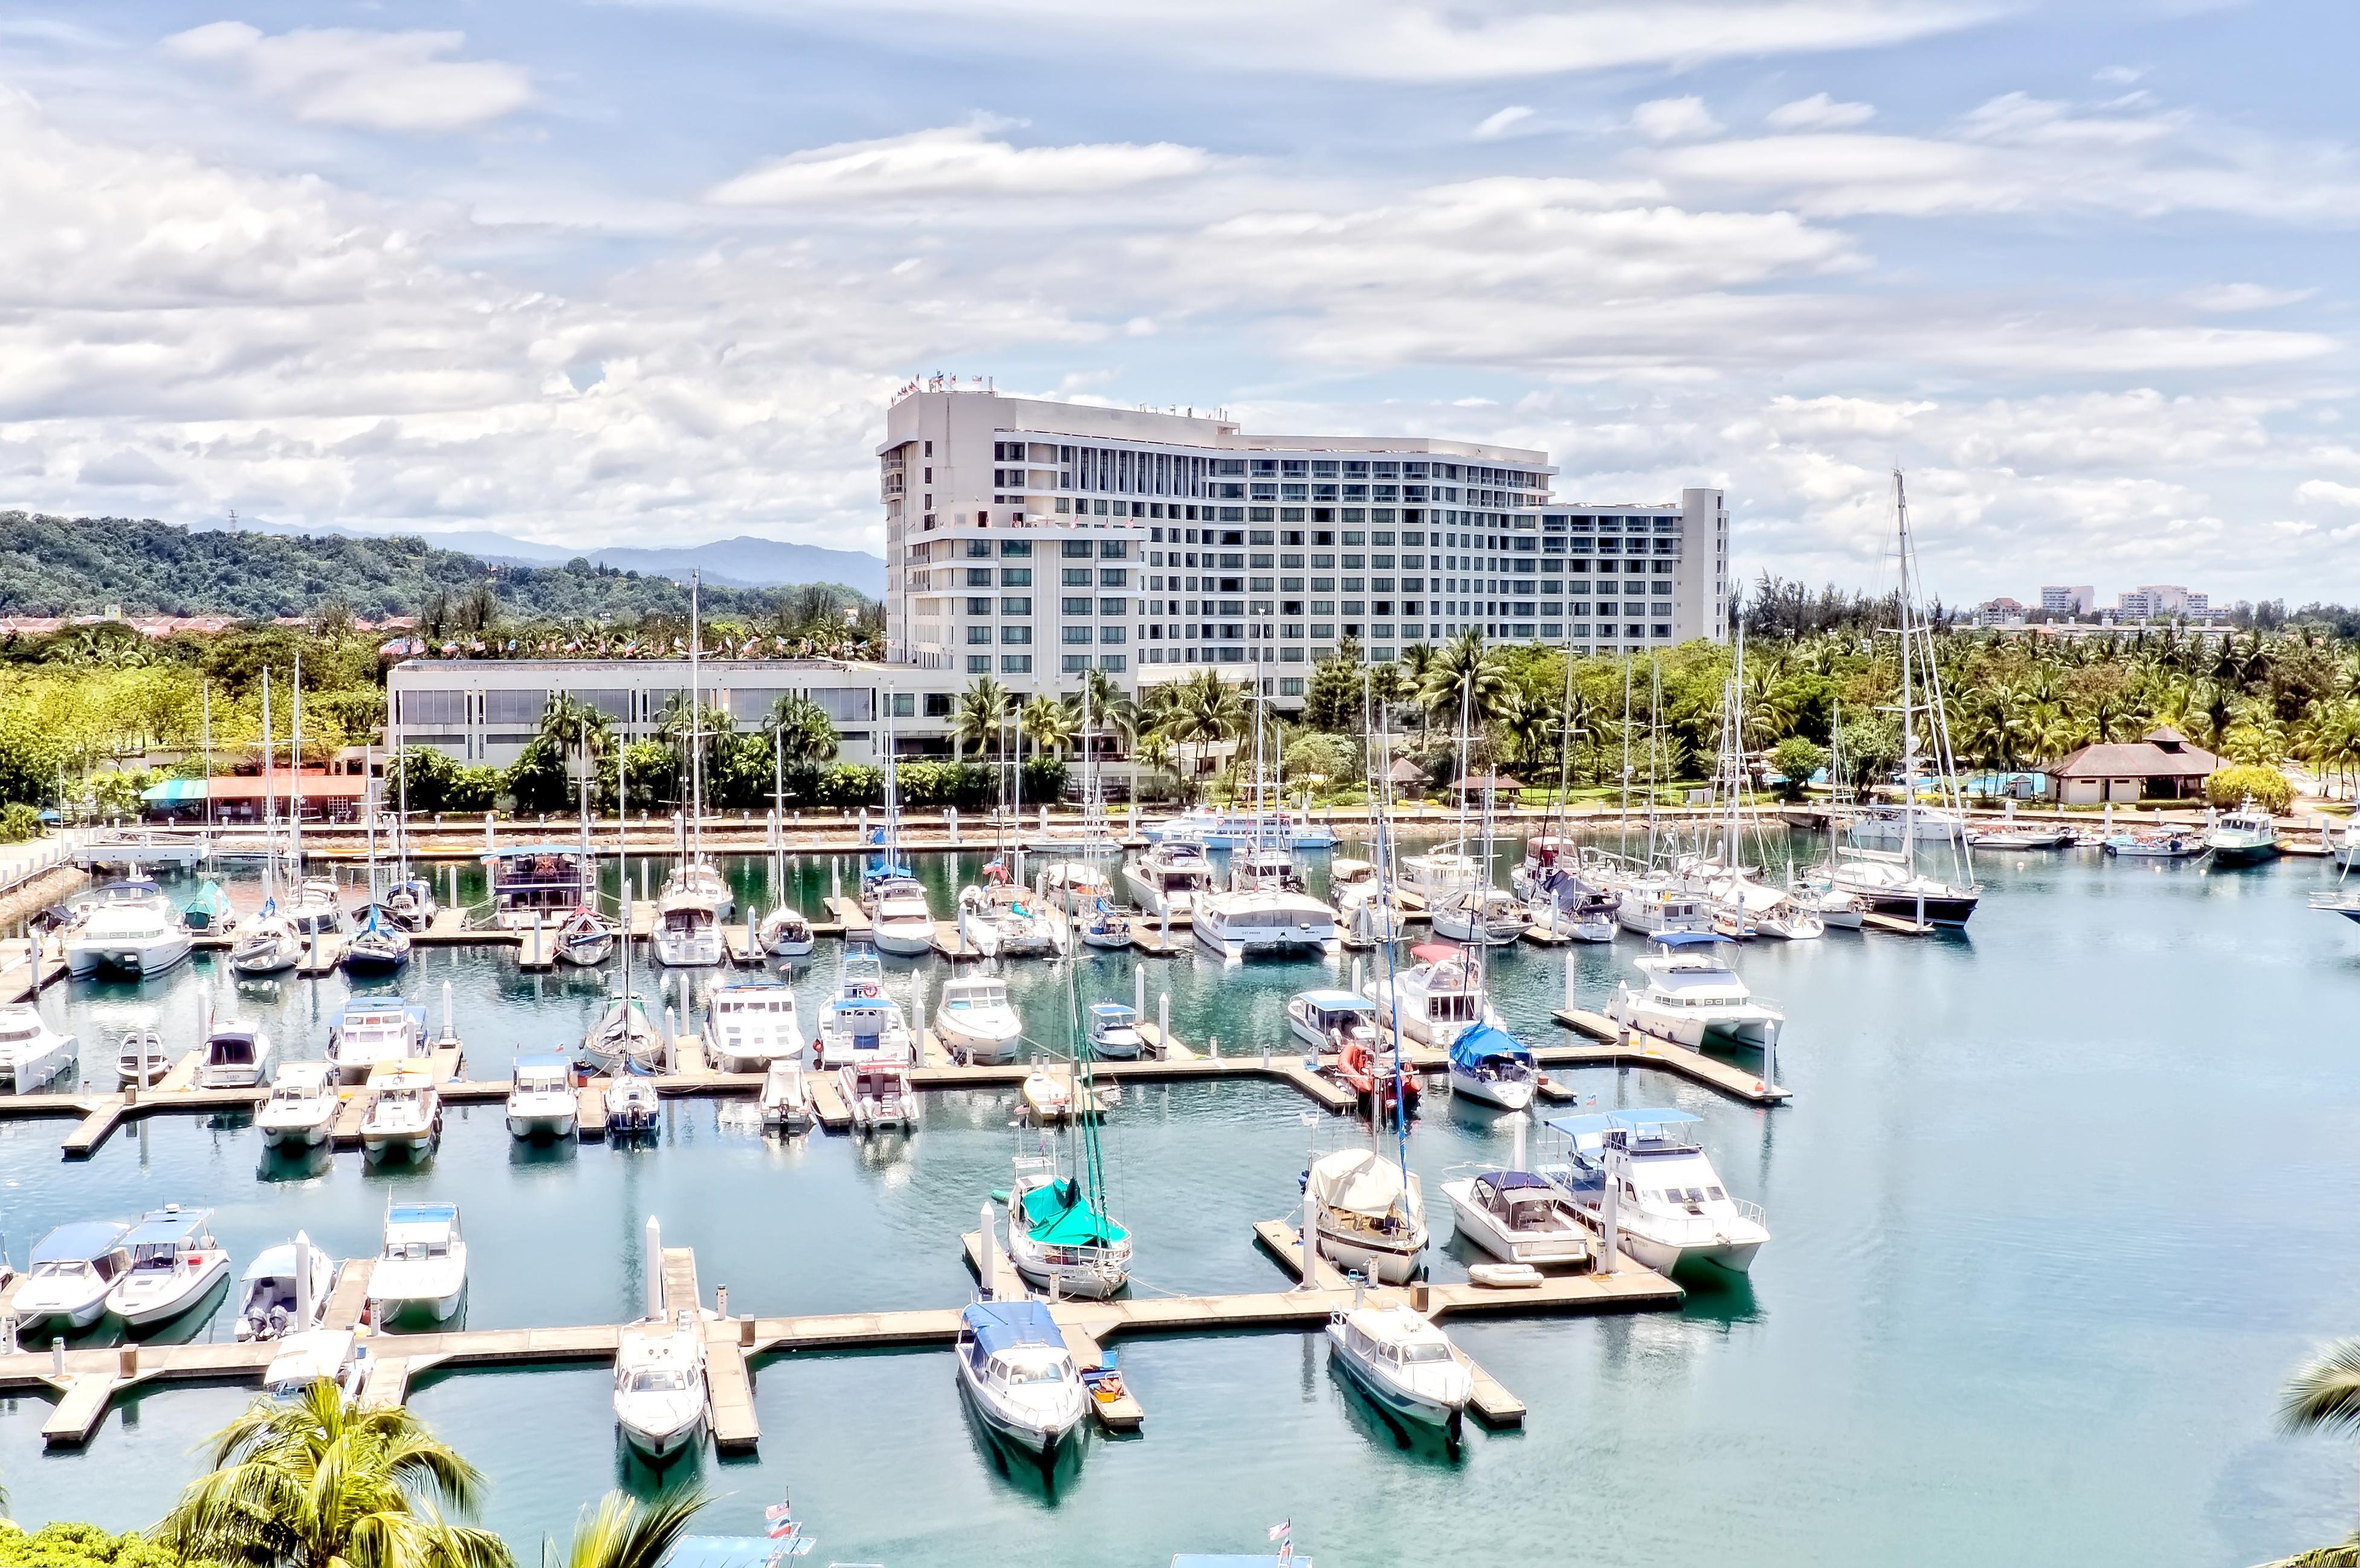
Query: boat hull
[
  {"x": 541, "y": 1125},
  {"x": 1406, "y": 1402},
  {"x": 1954, "y": 909},
  {"x": 145, "y": 1309},
  {"x": 34, "y": 1312},
  {"x": 904, "y": 938},
  {"x": 296, "y": 1135},
  {"x": 1557, "y": 1250},
  {"x": 1386, "y": 1265},
  {"x": 1508, "y": 1093}
]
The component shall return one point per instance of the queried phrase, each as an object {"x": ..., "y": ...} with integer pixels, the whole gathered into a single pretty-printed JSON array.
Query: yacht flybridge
[
  {"x": 1693, "y": 997},
  {"x": 1169, "y": 878},
  {"x": 1435, "y": 1000},
  {"x": 1642, "y": 1174}
]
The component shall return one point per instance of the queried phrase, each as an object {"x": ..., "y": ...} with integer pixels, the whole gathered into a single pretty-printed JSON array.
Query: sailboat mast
[
  {"x": 295, "y": 772},
  {"x": 695, "y": 722},
  {"x": 208, "y": 698},
  {"x": 269, "y": 801},
  {"x": 1908, "y": 716},
  {"x": 1625, "y": 824}
]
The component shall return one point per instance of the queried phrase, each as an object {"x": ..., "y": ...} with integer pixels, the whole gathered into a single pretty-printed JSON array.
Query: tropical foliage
[{"x": 81, "y": 1546}]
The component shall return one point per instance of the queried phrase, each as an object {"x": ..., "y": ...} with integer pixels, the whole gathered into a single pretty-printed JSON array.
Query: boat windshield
[
  {"x": 1418, "y": 1351},
  {"x": 659, "y": 1380},
  {"x": 1022, "y": 1373}
]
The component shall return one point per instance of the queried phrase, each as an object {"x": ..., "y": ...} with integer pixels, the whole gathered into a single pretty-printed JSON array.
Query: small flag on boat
[
  {"x": 1282, "y": 1530},
  {"x": 778, "y": 1512}
]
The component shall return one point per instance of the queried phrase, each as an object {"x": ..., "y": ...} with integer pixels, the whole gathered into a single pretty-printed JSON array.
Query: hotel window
[
  {"x": 978, "y": 664},
  {"x": 1113, "y": 633},
  {"x": 1077, "y": 577},
  {"x": 979, "y": 577},
  {"x": 1016, "y": 577},
  {"x": 1075, "y": 606},
  {"x": 1114, "y": 577},
  {"x": 1016, "y": 664},
  {"x": 1074, "y": 663},
  {"x": 1075, "y": 635},
  {"x": 1019, "y": 547},
  {"x": 1114, "y": 663},
  {"x": 1019, "y": 637},
  {"x": 978, "y": 634},
  {"x": 1323, "y": 606},
  {"x": 1016, "y": 605}
]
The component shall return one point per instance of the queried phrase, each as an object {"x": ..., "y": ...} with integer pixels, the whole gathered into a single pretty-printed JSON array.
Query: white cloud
[
  {"x": 1501, "y": 123},
  {"x": 956, "y": 160},
  {"x": 386, "y": 82},
  {"x": 1819, "y": 113},
  {"x": 2231, "y": 298},
  {"x": 2327, "y": 492},
  {"x": 2118, "y": 75},
  {"x": 124, "y": 466},
  {"x": 1673, "y": 119}
]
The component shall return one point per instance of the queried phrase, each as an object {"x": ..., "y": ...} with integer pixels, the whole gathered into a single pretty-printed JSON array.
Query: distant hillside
[{"x": 69, "y": 566}]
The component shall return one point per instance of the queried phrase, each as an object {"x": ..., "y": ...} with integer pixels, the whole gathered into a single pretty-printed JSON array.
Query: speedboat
[
  {"x": 209, "y": 909},
  {"x": 748, "y": 1027},
  {"x": 175, "y": 1264},
  {"x": 1578, "y": 914},
  {"x": 2158, "y": 843},
  {"x": 368, "y": 1033},
  {"x": 1169, "y": 878},
  {"x": 1058, "y": 1235},
  {"x": 1104, "y": 927},
  {"x": 1491, "y": 1065},
  {"x": 134, "y": 939},
  {"x": 1693, "y": 997},
  {"x": 584, "y": 938},
  {"x": 1670, "y": 1206},
  {"x": 1015, "y": 1366},
  {"x": 1254, "y": 922},
  {"x": 302, "y": 1106},
  {"x": 32, "y": 1054},
  {"x": 1404, "y": 1363},
  {"x": 659, "y": 1385},
  {"x": 1001, "y": 920},
  {"x": 317, "y": 909},
  {"x": 1076, "y": 885},
  {"x": 1433, "y": 1001},
  {"x": 284, "y": 1291},
  {"x": 411, "y": 903},
  {"x": 687, "y": 932},
  {"x": 1656, "y": 905},
  {"x": 541, "y": 1101},
  {"x": 698, "y": 878},
  {"x": 2248, "y": 834},
  {"x": 877, "y": 1091},
  {"x": 2015, "y": 837},
  {"x": 236, "y": 1056},
  {"x": 69, "y": 1274},
  {"x": 422, "y": 1267},
  {"x": 380, "y": 947},
  {"x": 141, "y": 1059},
  {"x": 786, "y": 1099},
  {"x": 404, "y": 1114},
  {"x": 784, "y": 934},
  {"x": 632, "y": 1106},
  {"x": 1370, "y": 1219},
  {"x": 267, "y": 943},
  {"x": 624, "y": 1037},
  {"x": 1518, "y": 1217},
  {"x": 899, "y": 921},
  {"x": 1481, "y": 915},
  {"x": 974, "y": 1019},
  {"x": 1890, "y": 887},
  {"x": 1114, "y": 1031}
]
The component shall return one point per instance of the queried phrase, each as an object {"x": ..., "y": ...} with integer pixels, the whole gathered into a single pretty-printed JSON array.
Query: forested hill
[{"x": 52, "y": 566}]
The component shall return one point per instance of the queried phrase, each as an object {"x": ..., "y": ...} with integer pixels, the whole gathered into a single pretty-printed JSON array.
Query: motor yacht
[
  {"x": 404, "y": 1115},
  {"x": 1001, "y": 920},
  {"x": 1518, "y": 1217},
  {"x": 366, "y": 1033},
  {"x": 687, "y": 933},
  {"x": 32, "y": 1054},
  {"x": 423, "y": 1267},
  {"x": 1889, "y": 887},
  {"x": 586, "y": 938},
  {"x": 1015, "y": 1366},
  {"x": 750, "y": 1025},
  {"x": 141, "y": 1059},
  {"x": 1493, "y": 1067},
  {"x": 411, "y": 903},
  {"x": 236, "y": 1056},
  {"x": 1365, "y": 907},
  {"x": 899, "y": 921},
  {"x": 1076, "y": 885},
  {"x": 1655, "y": 905},
  {"x": 284, "y": 1291},
  {"x": 975, "y": 1021},
  {"x": 538, "y": 883},
  {"x": 1484, "y": 915},
  {"x": 542, "y": 1101},
  {"x": 784, "y": 934},
  {"x": 1056, "y": 1234},
  {"x": 1433, "y": 1001},
  {"x": 1114, "y": 1031},
  {"x": 265, "y": 944},
  {"x": 697, "y": 878},
  {"x": 380, "y": 947},
  {"x": 2248, "y": 834},
  {"x": 660, "y": 1398},
  {"x": 1670, "y": 1206},
  {"x": 1250, "y": 921},
  {"x": 1693, "y": 997},
  {"x": 1370, "y": 1219},
  {"x": 69, "y": 1274},
  {"x": 302, "y": 1107},
  {"x": 1168, "y": 877},
  {"x": 1242, "y": 827},
  {"x": 175, "y": 1264},
  {"x": 622, "y": 1036},
  {"x": 132, "y": 939},
  {"x": 1404, "y": 1363},
  {"x": 877, "y": 1091},
  {"x": 786, "y": 1099},
  {"x": 1441, "y": 871}
]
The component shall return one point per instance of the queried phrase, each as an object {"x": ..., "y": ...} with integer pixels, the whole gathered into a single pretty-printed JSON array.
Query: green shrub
[
  {"x": 80, "y": 1546},
  {"x": 2266, "y": 787},
  {"x": 19, "y": 822},
  {"x": 1796, "y": 758}
]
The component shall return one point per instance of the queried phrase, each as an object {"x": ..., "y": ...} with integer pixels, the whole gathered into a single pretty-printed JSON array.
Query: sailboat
[
  {"x": 381, "y": 945},
  {"x": 409, "y": 901},
  {"x": 1741, "y": 904},
  {"x": 1058, "y": 1228},
  {"x": 1258, "y": 913},
  {"x": 694, "y": 879},
  {"x": 899, "y": 919}
]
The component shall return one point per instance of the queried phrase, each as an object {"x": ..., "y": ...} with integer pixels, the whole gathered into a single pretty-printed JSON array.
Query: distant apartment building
[
  {"x": 1032, "y": 541},
  {"x": 2001, "y": 611},
  {"x": 2072, "y": 603},
  {"x": 2162, "y": 601}
]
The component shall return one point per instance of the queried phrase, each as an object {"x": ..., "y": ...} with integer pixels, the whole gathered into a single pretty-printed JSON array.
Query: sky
[{"x": 647, "y": 273}]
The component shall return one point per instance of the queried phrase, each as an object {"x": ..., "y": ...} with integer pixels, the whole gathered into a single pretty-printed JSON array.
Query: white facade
[
  {"x": 1030, "y": 541},
  {"x": 2081, "y": 600}
]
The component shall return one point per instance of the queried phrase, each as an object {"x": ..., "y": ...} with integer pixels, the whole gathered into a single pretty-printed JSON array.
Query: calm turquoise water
[{"x": 2057, "y": 1205}]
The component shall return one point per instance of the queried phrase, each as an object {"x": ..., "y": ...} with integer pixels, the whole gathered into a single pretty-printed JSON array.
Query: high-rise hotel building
[{"x": 1031, "y": 540}]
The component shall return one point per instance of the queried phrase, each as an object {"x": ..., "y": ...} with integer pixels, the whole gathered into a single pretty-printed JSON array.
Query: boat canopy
[
  {"x": 1687, "y": 939},
  {"x": 1361, "y": 1181},
  {"x": 166, "y": 1227},
  {"x": 1339, "y": 1001},
  {"x": 527, "y": 851},
  {"x": 1436, "y": 951},
  {"x": 1479, "y": 1043},
  {"x": 1005, "y": 1325},
  {"x": 1059, "y": 1216},
  {"x": 379, "y": 1010},
  {"x": 1517, "y": 1181},
  {"x": 1590, "y": 1131},
  {"x": 1112, "y": 1013},
  {"x": 420, "y": 1222},
  {"x": 277, "y": 1262},
  {"x": 81, "y": 1242},
  {"x": 539, "y": 1062}
]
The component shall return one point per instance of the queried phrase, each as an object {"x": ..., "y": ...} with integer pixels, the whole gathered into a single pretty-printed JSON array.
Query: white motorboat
[
  {"x": 1890, "y": 887},
  {"x": 748, "y": 1027},
  {"x": 404, "y": 1115},
  {"x": 1169, "y": 878},
  {"x": 1693, "y": 997},
  {"x": 1483, "y": 915},
  {"x": 539, "y": 883},
  {"x": 317, "y": 908},
  {"x": 1244, "y": 826},
  {"x": 699, "y": 879},
  {"x": 1056, "y": 1234},
  {"x": 316, "y": 1356},
  {"x": 1670, "y": 1207},
  {"x": 1047, "y": 1094},
  {"x": 132, "y": 939},
  {"x": 1015, "y": 1366},
  {"x": 1365, "y": 907},
  {"x": 368, "y": 1033},
  {"x": 284, "y": 1292},
  {"x": 1114, "y": 1031},
  {"x": 784, "y": 934},
  {"x": 422, "y": 1267},
  {"x": 1076, "y": 885},
  {"x": 1743, "y": 906},
  {"x": 302, "y": 1107},
  {"x": 236, "y": 1056},
  {"x": 687, "y": 933},
  {"x": 586, "y": 938},
  {"x": 1837, "y": 910},
  {"x": 633, "y": 1108},
  {"x": 267, "y": 943},
  {"x": 32, "y": 1054},
  {"x": 878, "y": 1092},
  {"x": 1491, "y": 1065},
  {"x": 899, "y": 921},
  {"x": 541, "y": 1100},
  {"x": 1441, "y": 871},
  {"x": 860, "y": 1022},
  {"x": 411, "y": 901},
  {"x": 622, "y": 1036},
  {"x": 660, "y": 1398},
  {"x": 175, "y": 1264},
  {"x": 2158, "y": 843},
  {"x": 380, "y": 946},
  {"x": 1518, "y": 1217},
  {"x": 1327, "y": 1019},
  {"x": 2013, "y": 836},
  {"x": 69, "y": 1274},
  {"x": 1247, "y": 923},
  {"x": 1582, "y": 914},
  {"x": 786, "y": 1099},
  {"x": 1891, "y": 827},
  {"x": 1404, "y": 1363},
  {"x": 1435, "y": 1001},
  {"x": 1001, "y": 920},
  {"x": 2248, "y": 834},
  {"x": 1656, "y": 905},
  {"x": 975, "y": 1021},
  {"x": 141, "y": 1059},
  {"x": 1370, "y": 1220}
]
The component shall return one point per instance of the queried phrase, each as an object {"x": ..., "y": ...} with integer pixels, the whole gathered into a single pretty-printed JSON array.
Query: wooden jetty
[{"x": 1617, "y": 1048}]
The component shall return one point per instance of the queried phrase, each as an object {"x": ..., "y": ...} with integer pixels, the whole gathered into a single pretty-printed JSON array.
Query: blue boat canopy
[
  {"x": 174, "y": 792},
  {"x": 376, "y": 1006},
  {"x": 166, "y": 1227},
  {"x": 1339, "y": 1000},
  {"x": 77, "y": 1243},
  {"x": 421, "y": 1213},
  {"x": 1003, "y": 1325},
  {"x": 1687, "y": 939},
  {"x": 1588, "y": 1131},
  {"x": 1118, "y": 1011},
  {"x": 1481, "y": 1042},
  {"x": 722, "y": 1551},
  {"x": 1517, "y": 1181}
]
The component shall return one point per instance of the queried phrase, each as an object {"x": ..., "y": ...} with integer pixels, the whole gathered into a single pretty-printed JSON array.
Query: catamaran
[{"x": 1691, "y": 997}]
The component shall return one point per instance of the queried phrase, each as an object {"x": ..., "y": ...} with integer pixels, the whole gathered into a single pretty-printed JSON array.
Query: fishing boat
[
  {"x": 622, "y": 1036},
  {"x": 786, "y": 1099},
  {"x": 2156, "y": 843},
  {"x": 660, "y": 1398},
  {"x": 1075, "y": 886},
  {"x": 633, "y": 1109},
  {"x": 1493, "y": 1067},
  {"x": 236, "y": 1055},
  {"x": 877, "y": 1091},
  {"x": 421, "y": 1269},
  {"x": 899, "y": 921},
  {"x": 1691, "y": 997},
  {"x": 1105, "y": 927},
  {"x": 586, "y": 938},
  {"x": 541, "y": 1101},
  {"x": 141, "y": 1059},
  {"x": 380, "y": 946},
  {"x": 1517, "y": 1217},
  {"x": 132, "y": 938},
  {"x": 747, "y": 1026},
  {"x": 784, "y": 934},
  {"x": 1433, "y": 1001},
  {"x": 404, "y": 1116},
  {"x": 32, "y": 1054},
  {"x": 1168, "y": 877},
  {"x": 1404, "y": 1363},
  {"x": 1014, "y": 1363},
  {"x": 366, "y": 1033},
  {"x": 69, "y": 1274},
  {"x": 975, "y": 1021},
  {"x": 1670, "y": 1205},
  {"x": 1001, "y": 920},
  {"x": 1059, "y": 1233},
  {"x": 1369, "y": 1214},
  {"x": 284, "y": 1292},
  {"x": 302, "y": 1107},
  {"x": 175, "y": 1264},
  {"x": 1485, "y": 915},
  {"x": 209, "y": 909},
  {"x": 687, "y": 932},
  {"x": 2240, "y": 837},
  {"x": 265, "y": 944},
  {"x": 1114, "y": 1032}
]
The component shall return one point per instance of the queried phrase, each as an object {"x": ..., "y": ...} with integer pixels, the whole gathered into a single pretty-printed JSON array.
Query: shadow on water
[
  {"x": 296, "y": 1166},
  {"x": 1415, "y": 1440},
  {"x": 1025, "y": 1473},
  {"x": 1718, "y": 1297}
]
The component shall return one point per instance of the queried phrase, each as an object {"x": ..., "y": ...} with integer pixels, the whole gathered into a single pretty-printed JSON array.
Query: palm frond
[{"x": 2324, "y": 1394}]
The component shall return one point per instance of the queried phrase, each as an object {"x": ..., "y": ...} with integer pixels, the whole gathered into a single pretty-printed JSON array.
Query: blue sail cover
[
  {"x": 1481, "y": 1043},
  {"x": 1003, "y": 1325}
]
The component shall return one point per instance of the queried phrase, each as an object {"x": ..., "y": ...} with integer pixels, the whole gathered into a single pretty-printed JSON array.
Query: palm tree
[
  {"x": 1467, "y": 676},
  {"x": 318, "y": 1482},
  {"x": 1048, "y": 724},
  {"x": 802, "y": 730},
  {"x": 982, "y": 708},
  {"x": 1205, "y": 710},
  {"x": 623, "y": 1532},
  {"x": 2324, "y": 1396},
  {"x": 578, "y": 728}
]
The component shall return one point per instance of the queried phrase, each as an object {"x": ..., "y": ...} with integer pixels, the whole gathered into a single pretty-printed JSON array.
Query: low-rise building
[{"x": 2160, "y": 765}]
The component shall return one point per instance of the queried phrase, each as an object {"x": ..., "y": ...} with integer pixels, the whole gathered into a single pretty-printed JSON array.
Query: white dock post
[
  {"x": 1139, "y": 990},
  {"x": 672, "y": 1043},
  {"x": 835, "y": 877},
  {"x": 448, "y": 1032},
  {"x": 1610, "y": 1239},
  {"x": 1163, "y": 932},
  {"x": 653, "y": 1265},
  {"x": 451, "y": 886},
  {"x": 303, "y": 1303},
  {"x": 58, "y": 1358},
  {"x": 1770, "y": 1059},
  {"x": 918, "y": 1004},
  {"x": 1356, "y": 973},
  {"x": 1310, "y": 1236},
  {"x": 753, "y": 954},
  {"x": 315, "y": 949},
  {"x": 1213, "y": 1046},
  {"x": 864, "y": 824},
  {"x": 1569, "y": 980},
  {"x": 986, "y": 1242},
  {"x": 643, "y": 879},
  {"x": 2108, "y": 828},
  {"x": 1163, "y": 1023},
  {"x": 490, "y": 842},
  {"x": 1045, "y": 816},
  {"x": 539, "y": 948},
  {"x": 1517, "y": 1160}
]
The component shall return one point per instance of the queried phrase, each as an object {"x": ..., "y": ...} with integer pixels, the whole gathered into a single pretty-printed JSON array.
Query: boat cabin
[
  {"x": 1522, "y": 1201},
  {"x": 540, "y": 879},
  {"x": 1664, "y": 1166},
  {"x": 235, "y": 1054},
  {"x": 418, "y": 1233},
  {"x": 1011, "y": 1345},
  {"x": 1334, "y": 1016},
  {"x": 544, "y": 1072}
]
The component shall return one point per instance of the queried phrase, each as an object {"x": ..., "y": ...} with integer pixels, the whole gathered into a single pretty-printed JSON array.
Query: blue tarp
[
  {"x": 1687, "y": 939},
  {"x": 1481, "y": 1043},
  {"x": 1001, "y": 1325},
  {"x": 83, "y": 1240}
]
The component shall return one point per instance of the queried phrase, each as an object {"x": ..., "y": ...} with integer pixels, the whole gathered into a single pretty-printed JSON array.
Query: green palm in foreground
[
  {"x": 316, "y": 1481},
  {"x": 622, "y": 1533},
  {"x": 2324, "y": 1396}
]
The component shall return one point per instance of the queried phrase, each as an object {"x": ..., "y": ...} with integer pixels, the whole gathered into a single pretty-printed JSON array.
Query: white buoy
[
  {"x": 987, "y": 1243},
  {"x": 303, "y": 1282},
  {"x": 1310, "y": 1234},
  {"x": 654, "y": 1265}
]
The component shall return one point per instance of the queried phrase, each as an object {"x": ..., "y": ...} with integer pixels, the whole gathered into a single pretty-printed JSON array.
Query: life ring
[{"x": 869, "y": 989}]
